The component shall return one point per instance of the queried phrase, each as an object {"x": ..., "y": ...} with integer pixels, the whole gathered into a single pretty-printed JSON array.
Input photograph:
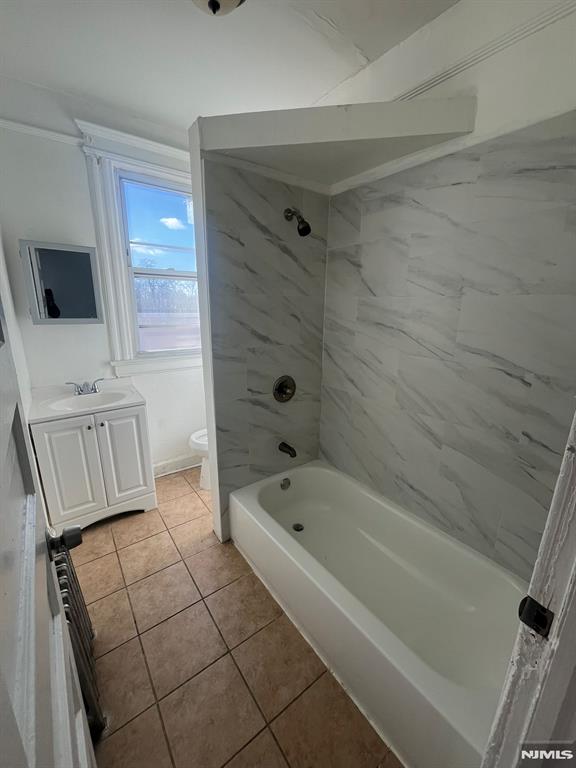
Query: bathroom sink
[{"x": 76, "y": 403}]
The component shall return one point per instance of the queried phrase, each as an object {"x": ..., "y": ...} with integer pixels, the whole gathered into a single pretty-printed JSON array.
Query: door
[
  {"x": 42, "y": 721},
  {"x": 125, "y": 453},
  {"x": 537, "y": 708},
  {"x": 69, "y": 460}
]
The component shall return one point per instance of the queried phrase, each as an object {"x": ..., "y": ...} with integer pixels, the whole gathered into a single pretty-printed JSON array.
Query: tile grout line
[
  {"x": 302, "y": 692},
  {"x": 261, "y": 711},
  {"x": 156, "y": 702},
  {"x": 229, "y": 653},
  {"x": 258, "y": 707},
  {"x": 108, "y": 736},
  {"x": 164, "y": 568},
  {"x": 157, "y": 509},
  {"x": 192, "y": 553},
  {"x": 246, "y": 682},
  {"x": 144, "y": 538},
  {"x": 260, "y": 732},
  {"x": 229, "y": 650}
]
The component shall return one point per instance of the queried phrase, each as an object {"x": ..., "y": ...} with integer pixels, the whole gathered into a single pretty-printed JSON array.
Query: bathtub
[{"x": 417, "y": 627}]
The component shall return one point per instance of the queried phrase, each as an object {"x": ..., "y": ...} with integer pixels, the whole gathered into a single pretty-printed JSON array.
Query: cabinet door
[
  {"x": 70, "y": 468},
  {"x": 125, "y": 453}
]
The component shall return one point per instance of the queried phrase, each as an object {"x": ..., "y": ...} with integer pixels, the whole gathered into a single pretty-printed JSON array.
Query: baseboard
[{"x": 176, "y": 464}]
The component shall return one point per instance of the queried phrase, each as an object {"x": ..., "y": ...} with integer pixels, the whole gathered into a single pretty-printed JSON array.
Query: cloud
[
  {"x": 173, "y": 223},
  {"x": 147, "y": 250}
]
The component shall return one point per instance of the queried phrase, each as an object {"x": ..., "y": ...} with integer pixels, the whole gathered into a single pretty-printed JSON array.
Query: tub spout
[{"x": 285, "y": 448}]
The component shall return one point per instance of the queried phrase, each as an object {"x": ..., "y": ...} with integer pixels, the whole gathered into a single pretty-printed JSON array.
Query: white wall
[
  {"x": 176, "y": 408},
  {"x": 44, "y": 196},
  {"x": 12, "y": 330},
  {"x": 518, "y": 57}
]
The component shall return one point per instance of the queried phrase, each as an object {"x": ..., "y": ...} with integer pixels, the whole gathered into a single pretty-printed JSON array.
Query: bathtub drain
[{"x": 298, "y": 527}]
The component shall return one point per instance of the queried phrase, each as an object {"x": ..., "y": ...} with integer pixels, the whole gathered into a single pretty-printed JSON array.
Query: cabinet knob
[
  {"x": 89, "y": 427},
  {"x": 101, "y": 423}
]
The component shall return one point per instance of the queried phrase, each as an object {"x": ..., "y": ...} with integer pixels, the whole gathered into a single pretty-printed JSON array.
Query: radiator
[{"x": 79, "y": 626}]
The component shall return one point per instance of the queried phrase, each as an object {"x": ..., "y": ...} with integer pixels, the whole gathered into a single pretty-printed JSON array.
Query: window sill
[{"x": 152, "y": 364}]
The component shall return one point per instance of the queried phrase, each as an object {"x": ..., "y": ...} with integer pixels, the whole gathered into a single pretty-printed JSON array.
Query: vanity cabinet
[
  {"x": 95, "y": 465},
  {"x": 124, "y": 453},
  {"x": 70, "y": 467}
]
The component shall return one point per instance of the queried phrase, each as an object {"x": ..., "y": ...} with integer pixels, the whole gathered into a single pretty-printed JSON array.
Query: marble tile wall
[
  {"x": 267, "y": 305},
  {"x": 449, "y": 368}
]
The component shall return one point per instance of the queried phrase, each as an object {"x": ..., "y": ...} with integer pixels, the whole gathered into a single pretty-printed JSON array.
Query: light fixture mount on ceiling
[{"x": 218, "y": 7}]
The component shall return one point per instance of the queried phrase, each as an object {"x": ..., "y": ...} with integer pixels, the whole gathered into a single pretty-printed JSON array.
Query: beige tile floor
[{"x": 197, "y": 665}]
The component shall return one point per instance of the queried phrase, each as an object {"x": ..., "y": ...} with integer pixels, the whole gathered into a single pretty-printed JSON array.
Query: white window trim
[{"x": 104, "y": 170}]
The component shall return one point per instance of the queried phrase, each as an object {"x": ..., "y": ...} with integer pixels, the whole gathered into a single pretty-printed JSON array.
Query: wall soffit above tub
[{"x": 324, "y": 146}]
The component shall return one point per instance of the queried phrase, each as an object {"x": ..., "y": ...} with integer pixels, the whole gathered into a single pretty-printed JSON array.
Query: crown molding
[
  {"x": 42, "y": 133},
  {"x": 94, "y": 134},
  {"x": 493, "y": 47}
]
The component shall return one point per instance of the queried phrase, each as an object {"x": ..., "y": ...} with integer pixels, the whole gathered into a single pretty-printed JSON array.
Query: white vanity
[{"x": 93, "y": 453}]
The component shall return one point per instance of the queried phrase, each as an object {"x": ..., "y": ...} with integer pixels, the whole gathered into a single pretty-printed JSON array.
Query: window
[{"x": 159, "y": 242}]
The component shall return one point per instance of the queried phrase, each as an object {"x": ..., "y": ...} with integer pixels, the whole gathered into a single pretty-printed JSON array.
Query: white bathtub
[{"x": 417, "y": 627}]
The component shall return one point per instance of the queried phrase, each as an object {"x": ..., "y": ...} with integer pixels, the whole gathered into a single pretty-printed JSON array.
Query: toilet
[{"x": 198, "y": 443}]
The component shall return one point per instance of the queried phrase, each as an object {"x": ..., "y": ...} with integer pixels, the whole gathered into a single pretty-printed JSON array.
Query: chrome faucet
[{"x": 86, "y": 388}]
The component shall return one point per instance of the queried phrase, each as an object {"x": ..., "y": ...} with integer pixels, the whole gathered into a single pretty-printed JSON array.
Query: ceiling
[{"x": 167, "y": 62}]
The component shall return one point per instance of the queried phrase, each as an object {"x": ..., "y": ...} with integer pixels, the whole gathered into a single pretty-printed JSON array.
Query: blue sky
[{"x": 162, "y": 218}]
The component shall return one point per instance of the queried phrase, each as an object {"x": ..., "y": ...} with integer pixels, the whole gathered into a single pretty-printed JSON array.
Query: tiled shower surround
[
  {"x": 267, "y": 304},
  {"x": 449, "y": 356},
  {"x": 450, "y": 344}
]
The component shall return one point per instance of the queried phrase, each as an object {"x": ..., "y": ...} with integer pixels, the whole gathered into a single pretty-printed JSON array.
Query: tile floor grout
[
  {"x": 156, "y": 702},
  {"x": 228, "y": 652},
  {"x": 144, "y": 538},
  {"x": 164, "y": 568},
  {"x": 151, "y": 536},
  {"x": 228, "y": 649},
  {"x": 251, "y": 692}
]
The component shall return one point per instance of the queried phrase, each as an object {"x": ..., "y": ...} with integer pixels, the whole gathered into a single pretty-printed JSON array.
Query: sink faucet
[
  {"x": 285, "y": 448},
  {"x": 86, "y": 388}
]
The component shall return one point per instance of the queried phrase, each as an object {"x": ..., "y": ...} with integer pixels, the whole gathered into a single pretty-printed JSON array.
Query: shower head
[{"x": 304, "y": 229}]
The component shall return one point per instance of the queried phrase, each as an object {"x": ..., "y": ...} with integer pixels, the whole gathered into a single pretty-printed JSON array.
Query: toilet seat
[{"x": 199, "y": 442}]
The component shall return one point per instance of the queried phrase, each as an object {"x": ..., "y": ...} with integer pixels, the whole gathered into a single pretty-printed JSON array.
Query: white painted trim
[
  {"x": 350, "y": 122},
  {"x": 159, "y": 364},
  {"x": 109, "y": 245},
  {"x": 136, "y": 165},
  {"x": 91, "y": 132},
  {"x": 40, "y": 133},
  {"x": 269, "y": 173},
  {"x": 104, "y": 169},
  {"x": 177, "y": 464},
  {"x": 25, "y": 685},
  {"x": 219, "y": 518},
  {"x": 493, "y": 47},
  {"x": 540, "y": 672}
]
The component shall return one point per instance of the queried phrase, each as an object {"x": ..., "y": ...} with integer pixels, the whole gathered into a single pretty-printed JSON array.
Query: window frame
[
  {"x": 134, "y": 272},
  {"x": 105, "y": 166}
]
